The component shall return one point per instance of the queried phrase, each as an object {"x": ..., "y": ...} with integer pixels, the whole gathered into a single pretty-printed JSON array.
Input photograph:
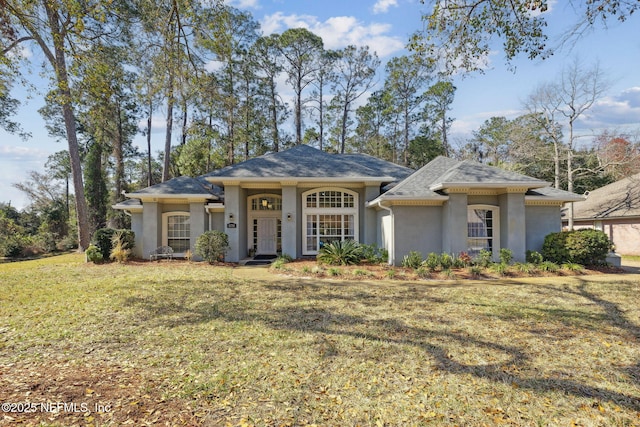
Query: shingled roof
[
  {"x": 617, "y": 200},
  {"x": 303, "y": 161},
  {"x": 441, "y": 173},
  {"x": 180, "y": 186}
]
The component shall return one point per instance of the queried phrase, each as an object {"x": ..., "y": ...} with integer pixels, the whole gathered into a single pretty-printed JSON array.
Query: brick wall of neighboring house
[{"x": 623, "y": 232}]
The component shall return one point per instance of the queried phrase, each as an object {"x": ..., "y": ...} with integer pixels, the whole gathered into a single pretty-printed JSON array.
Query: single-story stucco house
[
  {"x": 294, "y": 201},
  {"x": 614, "y": 209}
]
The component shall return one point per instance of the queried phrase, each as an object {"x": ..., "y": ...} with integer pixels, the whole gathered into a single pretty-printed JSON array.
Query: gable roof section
[
  {"x": 616, "y": 200},
  {"x": 303, "y": 161},
  {"x": 442, "y": 173},
  {"x": 180, "y": 187}
]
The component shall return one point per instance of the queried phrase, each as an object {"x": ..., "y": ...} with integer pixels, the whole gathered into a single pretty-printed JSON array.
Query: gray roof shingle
[
  {"x": 303, "y": 161},
  {"x": 429, "y": 181},
  {"x": 619, "y": 199},
  {"x": 182, "y": 185}
]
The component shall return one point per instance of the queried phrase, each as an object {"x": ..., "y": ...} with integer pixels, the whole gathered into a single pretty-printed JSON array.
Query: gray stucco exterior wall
[
  {"x": 136, "y": 227},
  {"x": 197, "y": 222},
  {"x": 454, "y": 224},
  {"x": 513, "y": 224},
  {"x": 152, "y": 228},
  {"x": 540, "y": 221},
  {"x": 417, "y": 228}
]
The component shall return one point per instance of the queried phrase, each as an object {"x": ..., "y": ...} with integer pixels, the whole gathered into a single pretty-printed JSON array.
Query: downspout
[{"x": 392, "y": 249}]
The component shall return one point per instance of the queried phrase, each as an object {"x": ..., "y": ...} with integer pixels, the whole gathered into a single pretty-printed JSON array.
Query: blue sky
[{"x": 385, "y": 26}]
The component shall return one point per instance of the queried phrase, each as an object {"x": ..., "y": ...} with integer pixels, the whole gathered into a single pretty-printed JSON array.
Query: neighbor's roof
[
  {"x": 303, "y": 161},
  {"x": 620, "y": 199},
  {"x": 182, "y": 186},
  {"x": 442, "y": 173}
]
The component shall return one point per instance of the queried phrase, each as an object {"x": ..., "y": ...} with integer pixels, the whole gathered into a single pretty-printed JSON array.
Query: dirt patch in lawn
[{"x": 65, "y": 393}]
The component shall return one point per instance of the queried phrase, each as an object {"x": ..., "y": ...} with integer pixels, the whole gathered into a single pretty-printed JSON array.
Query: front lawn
[{"x": 178, "y": 343}]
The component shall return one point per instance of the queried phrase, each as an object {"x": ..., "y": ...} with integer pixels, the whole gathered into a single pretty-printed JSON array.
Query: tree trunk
[
  {"x": 274, "y": 118},
  {"x": 167, "y": 139},
  {"x": 62, "y": 78},
  {"x": 150, "y": 176}
]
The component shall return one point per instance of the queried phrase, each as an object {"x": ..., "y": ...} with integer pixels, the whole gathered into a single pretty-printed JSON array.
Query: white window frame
[
  {"x": 495, "y": 227},
  {"x": 165, "y": 229},
  {"x": 306, "y": 211},
  {"x": 260, "y": 213}
]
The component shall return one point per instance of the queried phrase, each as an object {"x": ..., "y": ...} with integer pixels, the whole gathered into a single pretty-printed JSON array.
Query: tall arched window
[
  {"x": 330, "y": 214},
  {"x": 176, "y": 231},
  {"x": 483, "y": 229}
]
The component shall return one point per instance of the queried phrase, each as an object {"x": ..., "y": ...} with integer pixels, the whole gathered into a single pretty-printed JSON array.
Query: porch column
[
  {"x": 290, "y": 219},
  {"x": 232, "y": 212},
  {"x": 151, "y": 228},
  {"x": 513, "y": 228},
  {"x": 454, "y": 224},
  {"x": 370, "y": 235}
]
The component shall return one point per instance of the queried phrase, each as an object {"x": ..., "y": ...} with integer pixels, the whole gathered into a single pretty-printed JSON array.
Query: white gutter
[{"x": 392, "y": 249}]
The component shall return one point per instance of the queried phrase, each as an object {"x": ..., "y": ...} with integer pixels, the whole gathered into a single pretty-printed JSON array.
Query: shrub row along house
[{"x": 295, "y": 201}]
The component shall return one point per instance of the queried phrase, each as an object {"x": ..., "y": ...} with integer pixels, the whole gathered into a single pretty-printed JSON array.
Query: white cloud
[
  {"x": 243, "y": 4},
  {"x": 22, "y": 154},
  {"x": 339, "y": 31},
  {"x": 382, "y": 6},
  {"x": 615, "y": 111}
]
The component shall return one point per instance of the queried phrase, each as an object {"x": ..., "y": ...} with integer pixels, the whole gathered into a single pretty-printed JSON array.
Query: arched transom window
[{"x": 330, "y": 214}]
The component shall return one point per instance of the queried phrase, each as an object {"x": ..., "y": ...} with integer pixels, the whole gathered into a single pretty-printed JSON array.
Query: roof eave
[{"x": 530, "y": 185}]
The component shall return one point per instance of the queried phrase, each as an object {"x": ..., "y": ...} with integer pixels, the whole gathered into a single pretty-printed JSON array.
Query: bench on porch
[{"x": 161, "y": 252}]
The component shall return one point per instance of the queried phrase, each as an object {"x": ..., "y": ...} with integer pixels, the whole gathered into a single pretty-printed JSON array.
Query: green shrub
[
  {"x": 12, "y": 246},
  {"x": 334, "y": 271},
  {"x": 94, "y": 254},
  {"x": 432, "y": 262},
  {"x": 549, "y": 266},
  {"x": 284, "y": 258},
  {"x": 446, "y": 261},
  {"x": 346, "y": 252},
  {"x": 573, "y": 267},
  {"x": 212, "y": 246},
  {"x": 103, "y": 239},
  {"x": 412, "y": 260},
  {"x": 506, "y": 256},
  {"x": 423, "y": 273},
  {"x": 527, "y": 268},
  {"x": 501, "y": 269},
  {"x": 475, "y": 271},
  {"x": 373, "y": 254},
  {"x": 391, "y": 274},
  {"x": 534, "y": 257},
  {"x": 586, "y": 247},
  {"x": 484, "y": 258},
  {"x": 449, "y": 274}
]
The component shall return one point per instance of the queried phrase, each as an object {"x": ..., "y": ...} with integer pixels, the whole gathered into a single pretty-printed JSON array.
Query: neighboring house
[
  {"x": 614, "y": 209},
  {"x": 295, "y": 201}
]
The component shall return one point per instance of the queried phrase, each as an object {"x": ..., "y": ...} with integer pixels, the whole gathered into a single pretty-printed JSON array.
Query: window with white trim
[
  {"x": 330, "y": 214},
  {"x": 176, "y": 231},
  {"x": 483, "y": 229}
]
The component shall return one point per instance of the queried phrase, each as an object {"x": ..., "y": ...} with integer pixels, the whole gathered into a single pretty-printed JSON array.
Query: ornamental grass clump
[{"x": 346, "y": 252}]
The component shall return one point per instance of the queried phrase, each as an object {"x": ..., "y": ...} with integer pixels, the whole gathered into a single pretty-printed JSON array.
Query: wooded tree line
[{"x": 205, "y": 70}]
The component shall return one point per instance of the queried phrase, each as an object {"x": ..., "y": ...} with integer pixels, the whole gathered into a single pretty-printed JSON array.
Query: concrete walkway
[{"x": 631, "y": 266}]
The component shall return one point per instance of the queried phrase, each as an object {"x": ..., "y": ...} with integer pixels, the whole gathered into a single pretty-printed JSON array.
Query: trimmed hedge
[
  {"x": 586, "y": 247},
  {"x": 212, "y": 246}
]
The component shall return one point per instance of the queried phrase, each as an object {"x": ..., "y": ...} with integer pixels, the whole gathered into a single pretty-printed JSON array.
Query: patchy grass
[{"x": 177, "y": 343}]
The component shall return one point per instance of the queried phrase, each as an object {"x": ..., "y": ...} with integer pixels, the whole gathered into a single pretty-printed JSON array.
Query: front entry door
[{"x": 267, "y": 236}]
